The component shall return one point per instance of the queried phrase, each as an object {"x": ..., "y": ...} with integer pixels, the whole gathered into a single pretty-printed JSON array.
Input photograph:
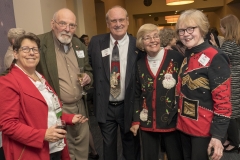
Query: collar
[
  {"x": 38, "y": 74},
  {"x": 120, "y": 42},
  {"x": 198, "y": 48}
]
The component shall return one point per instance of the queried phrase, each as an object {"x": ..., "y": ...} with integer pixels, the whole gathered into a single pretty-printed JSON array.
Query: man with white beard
[{"x": 61, "y": 57}]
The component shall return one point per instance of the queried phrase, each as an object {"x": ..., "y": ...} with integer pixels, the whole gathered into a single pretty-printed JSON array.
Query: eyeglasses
[
  {"x": 64, "y": 24},
  {"x": 149, "y": 38},
  {"x": 35, "y": 50},
  {"x": 114, "y": 21},
  {"x": 189, "y": 30}
]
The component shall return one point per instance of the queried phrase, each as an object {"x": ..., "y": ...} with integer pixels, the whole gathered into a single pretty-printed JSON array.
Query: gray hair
[
  {"x": 14, "y": 33},
  {"x": 166, "y": 36},
  {"x": 116, "y": 7}
]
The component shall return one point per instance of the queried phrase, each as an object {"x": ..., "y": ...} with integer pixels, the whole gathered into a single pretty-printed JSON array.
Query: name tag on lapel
[
  {"x": 203, "y": 59},
  {"x": 105, "y": 52},
  {"x": 80, "y": 54}
]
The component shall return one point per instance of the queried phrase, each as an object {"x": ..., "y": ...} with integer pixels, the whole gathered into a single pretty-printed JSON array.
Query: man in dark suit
[
  {"x": 113, "y": 110},
  {"x": 61, "y": 56}
]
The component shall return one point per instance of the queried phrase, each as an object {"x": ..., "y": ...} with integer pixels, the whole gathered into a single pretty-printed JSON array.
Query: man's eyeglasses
[
  {"x": 189, "y": 30},
  {"x": 149, "y": 38},
  {"x": 114, "y": 21},
  {"x": 63, "y": 24},
  {"x": 35, "y": 50}
]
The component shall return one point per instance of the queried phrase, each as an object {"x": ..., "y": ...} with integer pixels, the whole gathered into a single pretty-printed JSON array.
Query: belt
[{"x": 116, "y": 103}]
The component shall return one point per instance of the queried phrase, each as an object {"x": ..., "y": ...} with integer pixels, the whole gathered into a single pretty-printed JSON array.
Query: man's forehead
[
  {"x": 68, "y": 17},
  {"x": 117, "y": 13}
]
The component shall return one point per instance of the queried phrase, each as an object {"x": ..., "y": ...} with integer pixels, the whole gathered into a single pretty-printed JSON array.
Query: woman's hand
[
  {"x": 53, "y": 134},
  {"x": 212, "y": 40},
  {"x": 217, "y": 147},
  {"x": 78, "y": 118},
  {"x": 134, "y": 129}
]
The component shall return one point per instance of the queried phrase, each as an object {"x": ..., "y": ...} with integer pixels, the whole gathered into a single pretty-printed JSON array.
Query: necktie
[{"x": 115, "y": 89}]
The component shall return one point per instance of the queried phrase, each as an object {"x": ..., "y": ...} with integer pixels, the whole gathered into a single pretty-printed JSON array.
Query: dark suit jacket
[
  {"x": 48, "y": 63},
  {"x": 101, "y": 73}
]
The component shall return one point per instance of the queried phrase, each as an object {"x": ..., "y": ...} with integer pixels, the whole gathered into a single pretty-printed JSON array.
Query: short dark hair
[
  {"x": 82, "y": 38},
  {"x": 17, "y": 44}
]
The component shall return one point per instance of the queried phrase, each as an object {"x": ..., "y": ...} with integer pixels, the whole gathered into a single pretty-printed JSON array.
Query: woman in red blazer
[{"x": 29, "y": 108}]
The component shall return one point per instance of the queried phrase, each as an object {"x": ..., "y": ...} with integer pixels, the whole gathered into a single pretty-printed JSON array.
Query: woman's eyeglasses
[
  {"x": 27, "y": 49},
  {"x": 189, "y": 30}
]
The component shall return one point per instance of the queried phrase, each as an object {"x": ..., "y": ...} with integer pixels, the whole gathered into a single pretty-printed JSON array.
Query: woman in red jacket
[{"x": 30, "y": 108}]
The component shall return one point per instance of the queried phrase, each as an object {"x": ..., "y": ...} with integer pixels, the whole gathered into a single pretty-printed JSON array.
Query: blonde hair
[
  {"x": 231, "y": 25},
  {"x": 191, "y": 16},
  {"x": 144, "y": 29},
  {"x": 166, "y": 36},
  {"x": 15, "y": 33}
]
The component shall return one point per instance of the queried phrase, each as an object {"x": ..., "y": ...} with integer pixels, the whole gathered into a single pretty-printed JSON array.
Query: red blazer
[{"x": 23, "y": 121}]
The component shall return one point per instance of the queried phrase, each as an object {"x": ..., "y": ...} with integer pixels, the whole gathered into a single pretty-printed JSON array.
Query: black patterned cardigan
[{"x": 159, "y": 101}]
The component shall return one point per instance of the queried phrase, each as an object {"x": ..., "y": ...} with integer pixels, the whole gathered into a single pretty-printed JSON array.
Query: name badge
[
  {"x": 80, "y": 54},
  {"x": 203, "y": 59},
  {"x": 105, "y": 52},
  {"x": 154, "y": 64},
  {"x": 56, "y": 106}
]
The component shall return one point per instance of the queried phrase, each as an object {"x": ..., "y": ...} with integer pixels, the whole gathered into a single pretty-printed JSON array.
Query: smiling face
[
  {"x": 151, "y": 43},
  {"x": 191, "y": 39},
  {"x": 27, "y": 61},
  {"x": 64, "y": 34},
  {"x": 117, "y": 22}
]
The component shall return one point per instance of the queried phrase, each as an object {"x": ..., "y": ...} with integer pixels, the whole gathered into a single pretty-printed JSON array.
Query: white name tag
[
  {"x": 154, "y": 64},
  {"x": 105, "y": 52},
  {"x": 203, "y": 59},
  {"x": 80, "y": 54}
]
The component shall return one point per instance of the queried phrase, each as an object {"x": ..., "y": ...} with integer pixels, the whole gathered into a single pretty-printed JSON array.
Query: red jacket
[{"x": 23, "y": 121}]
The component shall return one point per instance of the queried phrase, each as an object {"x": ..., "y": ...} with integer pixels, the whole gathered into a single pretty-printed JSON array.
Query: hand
[
  {"x": 78, "y": 118},
  {"x": 53, "y": 134},
  {"x": 134, "y": 129},
  {"x": 218, "y": 148},
  {"x": 212, "y": 40},
  {"x": 86, "y": 80}
]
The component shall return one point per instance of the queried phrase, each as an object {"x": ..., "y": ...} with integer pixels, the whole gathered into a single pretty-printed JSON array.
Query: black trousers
[
  {"x": 115, "y": 119},
  {"x": 194, "y": 148},
  {"x": 233, "y": 133},
  {"x": 151, "y": 145},
  {"x": 55, "y": 156},
  {"x": 2, "y": 157}
]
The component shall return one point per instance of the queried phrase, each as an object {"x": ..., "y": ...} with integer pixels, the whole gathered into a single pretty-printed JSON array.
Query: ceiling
[{"x": 162, "y": 14}]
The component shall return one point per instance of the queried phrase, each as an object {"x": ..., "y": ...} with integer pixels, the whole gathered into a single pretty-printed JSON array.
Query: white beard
[
  {"x": 64, "y": 38},
  {"x": 168, "y": 82},
  {"x": 144, "y": 115}
]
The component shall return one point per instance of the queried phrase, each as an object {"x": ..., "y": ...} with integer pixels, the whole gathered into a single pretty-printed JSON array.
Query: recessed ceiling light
[{"x": 150, "y": 15}]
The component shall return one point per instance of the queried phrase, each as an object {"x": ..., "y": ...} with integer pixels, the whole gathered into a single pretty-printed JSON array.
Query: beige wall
[
  {"x": 35, "y": 15},
  {"x": 48, "y": 8},
  {"x": 100, "y": 17},
  {"x": 28, "y": 15}
]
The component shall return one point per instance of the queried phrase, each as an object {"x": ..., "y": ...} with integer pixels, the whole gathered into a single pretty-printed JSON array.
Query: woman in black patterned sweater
[
  {"x": 230, "y": 28},
  {"x": 155, "y": 112},
  {"x": 203, "y": 90}
]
